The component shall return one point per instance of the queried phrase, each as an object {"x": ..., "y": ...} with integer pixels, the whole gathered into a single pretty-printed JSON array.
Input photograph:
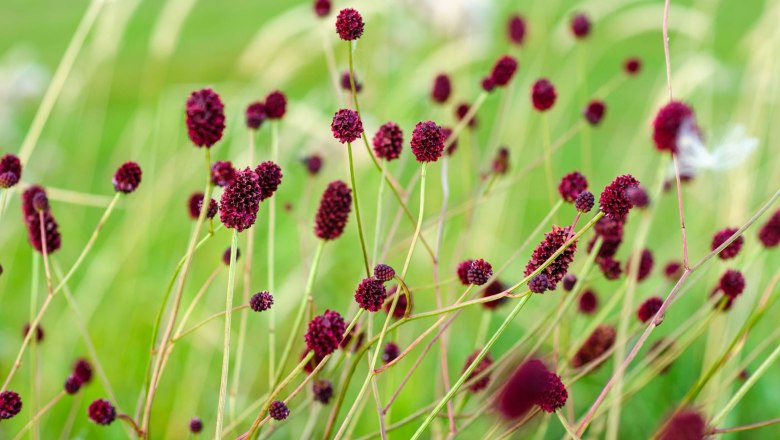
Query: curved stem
[
  {"x": 357, "y": 210},
  {"x": 226, "y": 344},
  {"x": 419, "y": 220},
  {"x": 271, "y": 257},
  {"x": 40, "y": 414}
]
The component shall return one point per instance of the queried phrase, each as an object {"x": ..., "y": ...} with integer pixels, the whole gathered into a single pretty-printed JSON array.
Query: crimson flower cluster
[
  {"x": 427, "y": 141},
  {"x": 556, "y": 270},
  {"x": 322, "y": 390},
  {"x": 588, "y": 302},
  {"x": 346, "y": 126},
  {"x": 730, "y": 251},
  {"x": 10, "y": 404},
  {"x": 195, "y": 203},
  {"x": 388, "y": 141},
  {"x": 598, "y": 343},
  {"x": 543, "y": 95},
  {"x": 503, "y": 71},
  {"x": 516, "y": 29},
  {"x": 80, "y": 376},
  {"x": 442, "y": 88},
  {"x": 35, "y": 208},
  {"x": 241, "y": 201},
  {"x": 769, "y": 235},
  {"x": 477, "y": 385},
  {"x": 278, "y": 410},
  {"x": 349, "y": 24},
  {"x": 370, "y": 294},
  {"x": 205, "y": 118},
  {"x": 324, "y": 333},
  {"x": 269, "y": 177},
  {"x": 223, "y": 173},
  {"x": 102, "y": 412},
  {"x": 594, "y": 112},
  {"x": 572, "y": 185},
  {"x": 649, "y": 308},
  {"x": 683, "y": 425},
  {"x": 332, "y": 215},
  {"x": 531, "y": 384},
  {"x": 261, "y": 301},
  {"x": 668, "y": 121},
  {"x": 614, "y": 200},
  {"x": 346, "y": 82},
  {"x": 10, "y": 171},
  {"x": 580, "y": 26}
]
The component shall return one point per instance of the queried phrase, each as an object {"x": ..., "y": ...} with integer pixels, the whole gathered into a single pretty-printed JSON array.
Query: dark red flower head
[
  {"x": 614, "y": 199},
  {"x": 543, "y": 95},
  {"x": 39, "y": 333},
  {"x": 501, "y": 162},
  {"x": 269, "y": 177},
  {"x": 346, "y": 125},
  {"x": 275, "y": 105},
  {"x": 685, "y": 425},
  {"x": 769, "y": 235},
  {"x": 569, "y": 281},
  {"x": 325, "y": 332},
  {"x": 72, "y": 385},
  {"x": 531, "y": 384},
  {"x": 638, "y": 197},
  {"x": 391, "y": 352},
  {"x": 649, "y": 308},
  {"x": 346, "y": 84},
  {"x": 205, "y": 118},
  {"x": 349, "y": 24},
  {"x": 488, "y": 83},
  {"x": 313, "y": 164},
  {"x": 226, "y": 256},
  {"x": 732, "y": 283},
  {"x": 127, "y": 177},
  {"x": 461, "y": 111},
  {"x": 673, "y": 270},
  {"x": 503, "y": 70},
  {"x": 261, "y": 301},
  {"x": 442, "y": 88},
  {"x": 322, "y": 390},
  {"x": 383, "y": 272},
  {"x": 315, "y": 359},
  {"x": 196, "y": 425},
  {"x": 610, "y": 268},
  {"x": 632, "y": 65},
  {"x": 584, "y": 201},
  {"x": 31, "y": 199},
  {"x": 479, "y": 272},
  {"x": 516, "y": 29},
  {"x": 332, "y": 215},
  {"x": 278, "y": 410},
  {"x": 10, "y": 171},
  {"x": 447, "y": 133},
  {"x": 668, "y": 121},
  {"x": 222, "y": 173},
  {"x": 645, "y": 265},
  {"x": 427, "y": 141},
  {"x": 571, "y": 186},
  {"x": 255, "y": 115},
  {"x": 494, "y": 288},
  {"x": 538, "y": 284},
  {"x": 733, "y": 248},
  {"x": 481, "y": 383},
  {"x": 241, "y": 201},
  {"x": 589, "y": 302},
  {"x": 553, "y": 240},
  {"x": 401, "y": 305},
  {"x": 40, "y": 202},
  {"x": 370, "y": 294},
  {"x": 322, "y": 8},
  {"x": 580, "y": 26},
  {"x": 611, "y": 233},
  {"x": 554, "y": 395},
  {"x": 82, "y": 369},
  {"x": 601, "y": 340},
  {"x": 10, "y": 404},
  {"x": 388, "y": 141},
  {"x": 594, "y": 112},
  {"x": 463, "y": 271},
  {"x": 196, "y": 202},
  {"x": 102, "y": 412}
]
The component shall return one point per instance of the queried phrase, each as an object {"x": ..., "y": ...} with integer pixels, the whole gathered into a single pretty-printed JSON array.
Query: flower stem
[
  {"x": 34, "y": 419},
  {"x": 226, "y": 345},
  {"x": 548, "y": 158},
  {"x": 357, "y": 209},
  {"x": 416, "y": 235},
  {"x": 271, "y": 256}
]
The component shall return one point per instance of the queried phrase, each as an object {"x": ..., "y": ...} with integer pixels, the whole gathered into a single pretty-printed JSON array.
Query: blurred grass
[{"x": 127, "y": 106}]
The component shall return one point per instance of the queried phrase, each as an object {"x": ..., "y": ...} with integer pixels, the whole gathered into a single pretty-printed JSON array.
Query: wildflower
[
  {"x": 388, "y": 141},
  {"x": 370, "y": 294},
  {"x": 684, "y": 425},
  {"x": 447, "y": 133},
  {"x": 400, "y": 306},
  {"x": 255, "y": 115},
  {"x": 39, "y": 334},
  {"x": 538, "y": 284},
  {"x": 427, "y": 141},
  {"x": 494, "y": 288},
  {"x": 569, "y": 281},
  {"x": 645, "y": 265},
  {"x": 543, "y": 95},
  {"x": 594, "y": 112},
  {"x": 72, "y": 385},
  {"x": 597, "y": 344},
  {"x": 127, "y": 177},
  {"x": 648, "y": 309},
  {"x": 769, "y": 235},
  {"x": 346, "y": 125},
  {"x": 638, "y": 196},
  {"x": 732, "y": 283},
  {"x": 322, "y": 8},
  {"x": 10, "y": 171},
  {"x": 278, "y": 410},
  {"x": 522, "y": 390},
  {"x": 484, "y": 380},
  {"x": 102, "y": 412},
  {"x": 611, "y": 233},
  {"x": 632, "y": 66},
  {"x": 589, "y": 302},
  {"x": 667, "y": 124},
  {"x": 322, "y": 390},
  {"x": 463, "y": 271},
  {"x": 610, "y": 268},
  {"x": 241, "y": 201},
  {"x": 501, "y": 162},
  {"x": 461, "y": 111},
  {"x": 349, "y": 24},
  {"x": 673, "y": 270},
  {"x": 580, "y": 26},
  {"x": 82, "y": 369},
  {"x": 572, "y": 185},
  {"x": 324, "y": 333},
  {"x": 442, "y": 88},
  {"x": 223, "y": 173},
  {"x": 261, "y": 301},
  {"x": 391, "y": 352},
  {"x": 553, "y": 240},
  {"x": 196, "y": 425},
  {"x": 383, "y": 272},
  {"x": 503, "y": 70},
  {"x": 584, "y": 201},
  {"x": 10, "y": 404},
  {"x": 346, "y": 82},
  {"x": 516, "y": 29},
  {"x": 51, "y": 232},
  {"x": 613, "y": 200},
  {"x": 488, "y": 84},
  {"x": 226, "y": 255},
  {"x": 313, "y": 164},
  {"x": 554, "y": 395},
  {"x": 314, "y": 361},
  {"x": 479, "y": 272},
  {"x": 269, "y": 178},
  {"x": 332, "y": 215},
  {"x": 733, "y": 248},
  {"x": 205, "y": 118},
  {"x": 195, "y": 203}
]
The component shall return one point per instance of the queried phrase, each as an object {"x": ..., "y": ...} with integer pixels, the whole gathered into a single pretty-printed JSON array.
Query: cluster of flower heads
[
  {"x": 477, "y": 380},
  {"x": 349, "y": 24},
  {"x": 333, "y": 212},
  {"x": 558, "y": 267},
  {"x": 346, "y": 125},
  {"x": 325, "y": 333},
  {"x": 427, "y": 142},
  {"x": 346, "y": 82},
  {"x": 503, "y": 71},
  {"x": 241, "y": 201},
  {"x": 102, "y": 412},
  {"x": 36, "y": 212},
  {"x": 10, "y": 171},
  {"x": 205, "y": 117},
  {"x": 770, "y": 231},
  {"x": 371, "y": 293},
  {"x": 594, "y": 348},
  {"x": 531, "y": 384},
  {"x": 261, "y": 301},
  {"x": 648, "y": 309},
  {"x": 195, "y": 203},
  {"x": 476, "y": 272},
  {"x": 390, "y": 352},
  {"x": 10, "y": 404},
  {"x": 684, "y": 425},
  {"x": 222, "y": 173},
  {"x": 388, "y": 141},
  {"x": 731, "y": 285},
  {"x": 274, "y": 106},
  {"x": 403, "y": 305},
  {"x": 442, "y": 88}
]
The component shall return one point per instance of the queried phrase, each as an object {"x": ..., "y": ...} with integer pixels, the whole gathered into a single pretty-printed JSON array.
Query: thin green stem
[
  {"x": 548, "y": 158},
  {"x": 416, "y": 235},
  {"x": 357, "y": 209},
  {"x": 226, "y": 344},
  {"x": 271, "y": 256}
]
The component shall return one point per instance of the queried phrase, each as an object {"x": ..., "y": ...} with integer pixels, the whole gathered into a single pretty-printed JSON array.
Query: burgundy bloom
[
  {"x": 322, "y": 8},
  {"x": 569, "y": 281},
  {"x": 638, "y": 196},
  {"x": 39, "y": 334},
  {"x": 645, "y": 265},
  {"x": 10, "y": 171},
  {"x": 501, "y": 162},
  {"x": 226, "y": 255},
  {"x": 370, "y": 294},
  {"x": 649, "y": 308},
  {"x": 261, "y": 301},
  {"x": 269, "y": 177},
  {"x": 685, "y": 425},
  {"x": 611, "y": 233},
  {"x": 732, "y": 283},
  {"x": 8, "y": 179},
  {"x": 589, "y": 302},
  {"x": 733, "y": 248},
  {"x": 770, "y": 232},
  {"x": 553, "y": 240},
  {"x": 488, "y": 84},
  {"x": 196, "y": 425},
  {"x": 571, "y": 186},
  {"x": 205, "y": 118},
  {"x": 346, "y": 84},
  {"x": 391, "y": 352},
  {"x": 427, "y": 141},
  {"x": 275, "y": 105},
  {"x": 255, "y": 116},
  {"x": 241, "y": 201},
  {"x": 196, "y": 202},
  {"x": 278, "y": 410},
  {"x": 315, "y": 359},
  {"x": 463, "y": 271},
  {"x": 610, "y": 268},
  {"x": 82, "y": 369},
  {"x": 673, "y": 270},
  {"x": 325, "y": 332},
  {"x": 554, "y": 395},
  {"x": 127, "y": 177},
  {"x": 322, "y": 390},
  {"x": 543, "y": 95},
  {"x": 313, "y": 164},
  {"x": 72, "y": 385},
  {"x": 580, "y": 26},
  {"x": 401, "y": 304},
  {"x": 332, "y": 215},
  {"x": 442, "y": 88},
  {"x": 223, "y": 173},
  {"x": 504, "y": 70},
  {"x": 584, "y": 201},
  {"x": 598, "y": 343},
  {"x": 51, "y": 232},
  {"x": 102, "y": 412},
  {"x": 524, "y": 389},
  {"x": 479, "y": 272},
  {"x": 383, "y": 272},
  {"x": 453, "y": 143},
  {"x": 349, "y": 24},
  {"x": 494, "y": 288},
  {"x": 668, "y": 121},
  {"x": 632, "y": 66},
  {"x": 346, "y": 126},
  {"x": 461, "y": 111},
  {"x": 538, "y": 284},
  {"x": 594, "y": 112},
  {"x": 10, "y": 404},
  {"x": 481, "y": 383},
  {"x": 388, "y": 141},
  {"x": 516, "y": 29},
  {"x": 614, "y": 201}
]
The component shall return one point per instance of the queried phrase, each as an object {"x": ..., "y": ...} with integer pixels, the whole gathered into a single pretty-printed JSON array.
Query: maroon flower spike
[
  {"x": 196, "y": 202},
  {"x": 523, "y": 389},
  {"x": 589, "y": 302},
  {"x": 632, "y": 66},
  {"x": 401, "y": 305},
  {"x": 569, "y": 281},
  {"x": 241, "y": 201},
  {"x": 314, "y": 361},
  {"x": 278, "y": 410},
  {"x": 610, "y": 268},
  {"x": 127, "y": 177},
  {"x": 501, "y": 162},
  {"x": 261, "y": 301},
  {"x": 10, "y": 404},
  {"x": 538, "y": 284},
  {"x": 543, "y": 95},
  {"x": 223, "y": 173},
  {"x": 442, "y": 88},
  {"x": 553, "y": 240},
  {"x": 275, "y": 105},
  {"x": 504, "y": 70},
  {"x": 479, "y": 272},
  {"x": 571, "y": 186},
  {"x": 732, "y": 283},
  {"x": 322, "y": 390},
  {"x": 461, "y": 111},
  {"x": 638, "y": 197},
  {"x": 324, "y": 333},
  {"x": 516, "y": 29},
  {"x": 370, "y": 294},
  {"x": 594, "y": 112},
  {"x": 255, "y": 115},
  {"x": 196, "y": 425},
  {"x": 649, "y": 308},
  {"x": 322, "y": 8},
  {"x": 39, "y": 334},
  {"x": 82, "y": 369},
  {"x": 488, "y": 84},
  {"x": 580, "y": 26},
  {"x": 332, "y": 215},
  {"x": 447, "y": 132},
  {"x": 390, "y": 352},
  {"x": 347, "y": 85},
  {"x": 102, "y": 412},
  {"x": 346, "y": 126},
  {"x": 463, "y": 271},
  {"x": 313, "y": 164},
  {"x": 584, "y": 201},
  {"x": 554, "y": 395},
  {"x": 72, "y": 385},
  {"x": 668, "y": 121},
  {"x": 673, "y": 270},
  {"x": 270, "y": 177},
  {"x": 645, "y": 265},
  {"x": 213, "y": 208},
  {"x": 601, "y": 340},
  {"x": 51, "y": 232},
  {"x": 733, "y": 248},
  {"x": 226, "y": 256},
  {"x": 10, "y": 171},
  {"x": 383, "y": 272},
  {"x": 483, "y": 381},
  {"x": 427, "y": 141},
  {"x": 349, "y": 24},
  {"x": 770, "y": 232},
  {"x": 388, "y": 141},
  {"x": 205, "y": 118},
  {"x": 494, "y": 288},
  {"x": 614, "y": 201},
  {"x": 611, "y": 233},
  {"x": 684, "y": 425}
]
